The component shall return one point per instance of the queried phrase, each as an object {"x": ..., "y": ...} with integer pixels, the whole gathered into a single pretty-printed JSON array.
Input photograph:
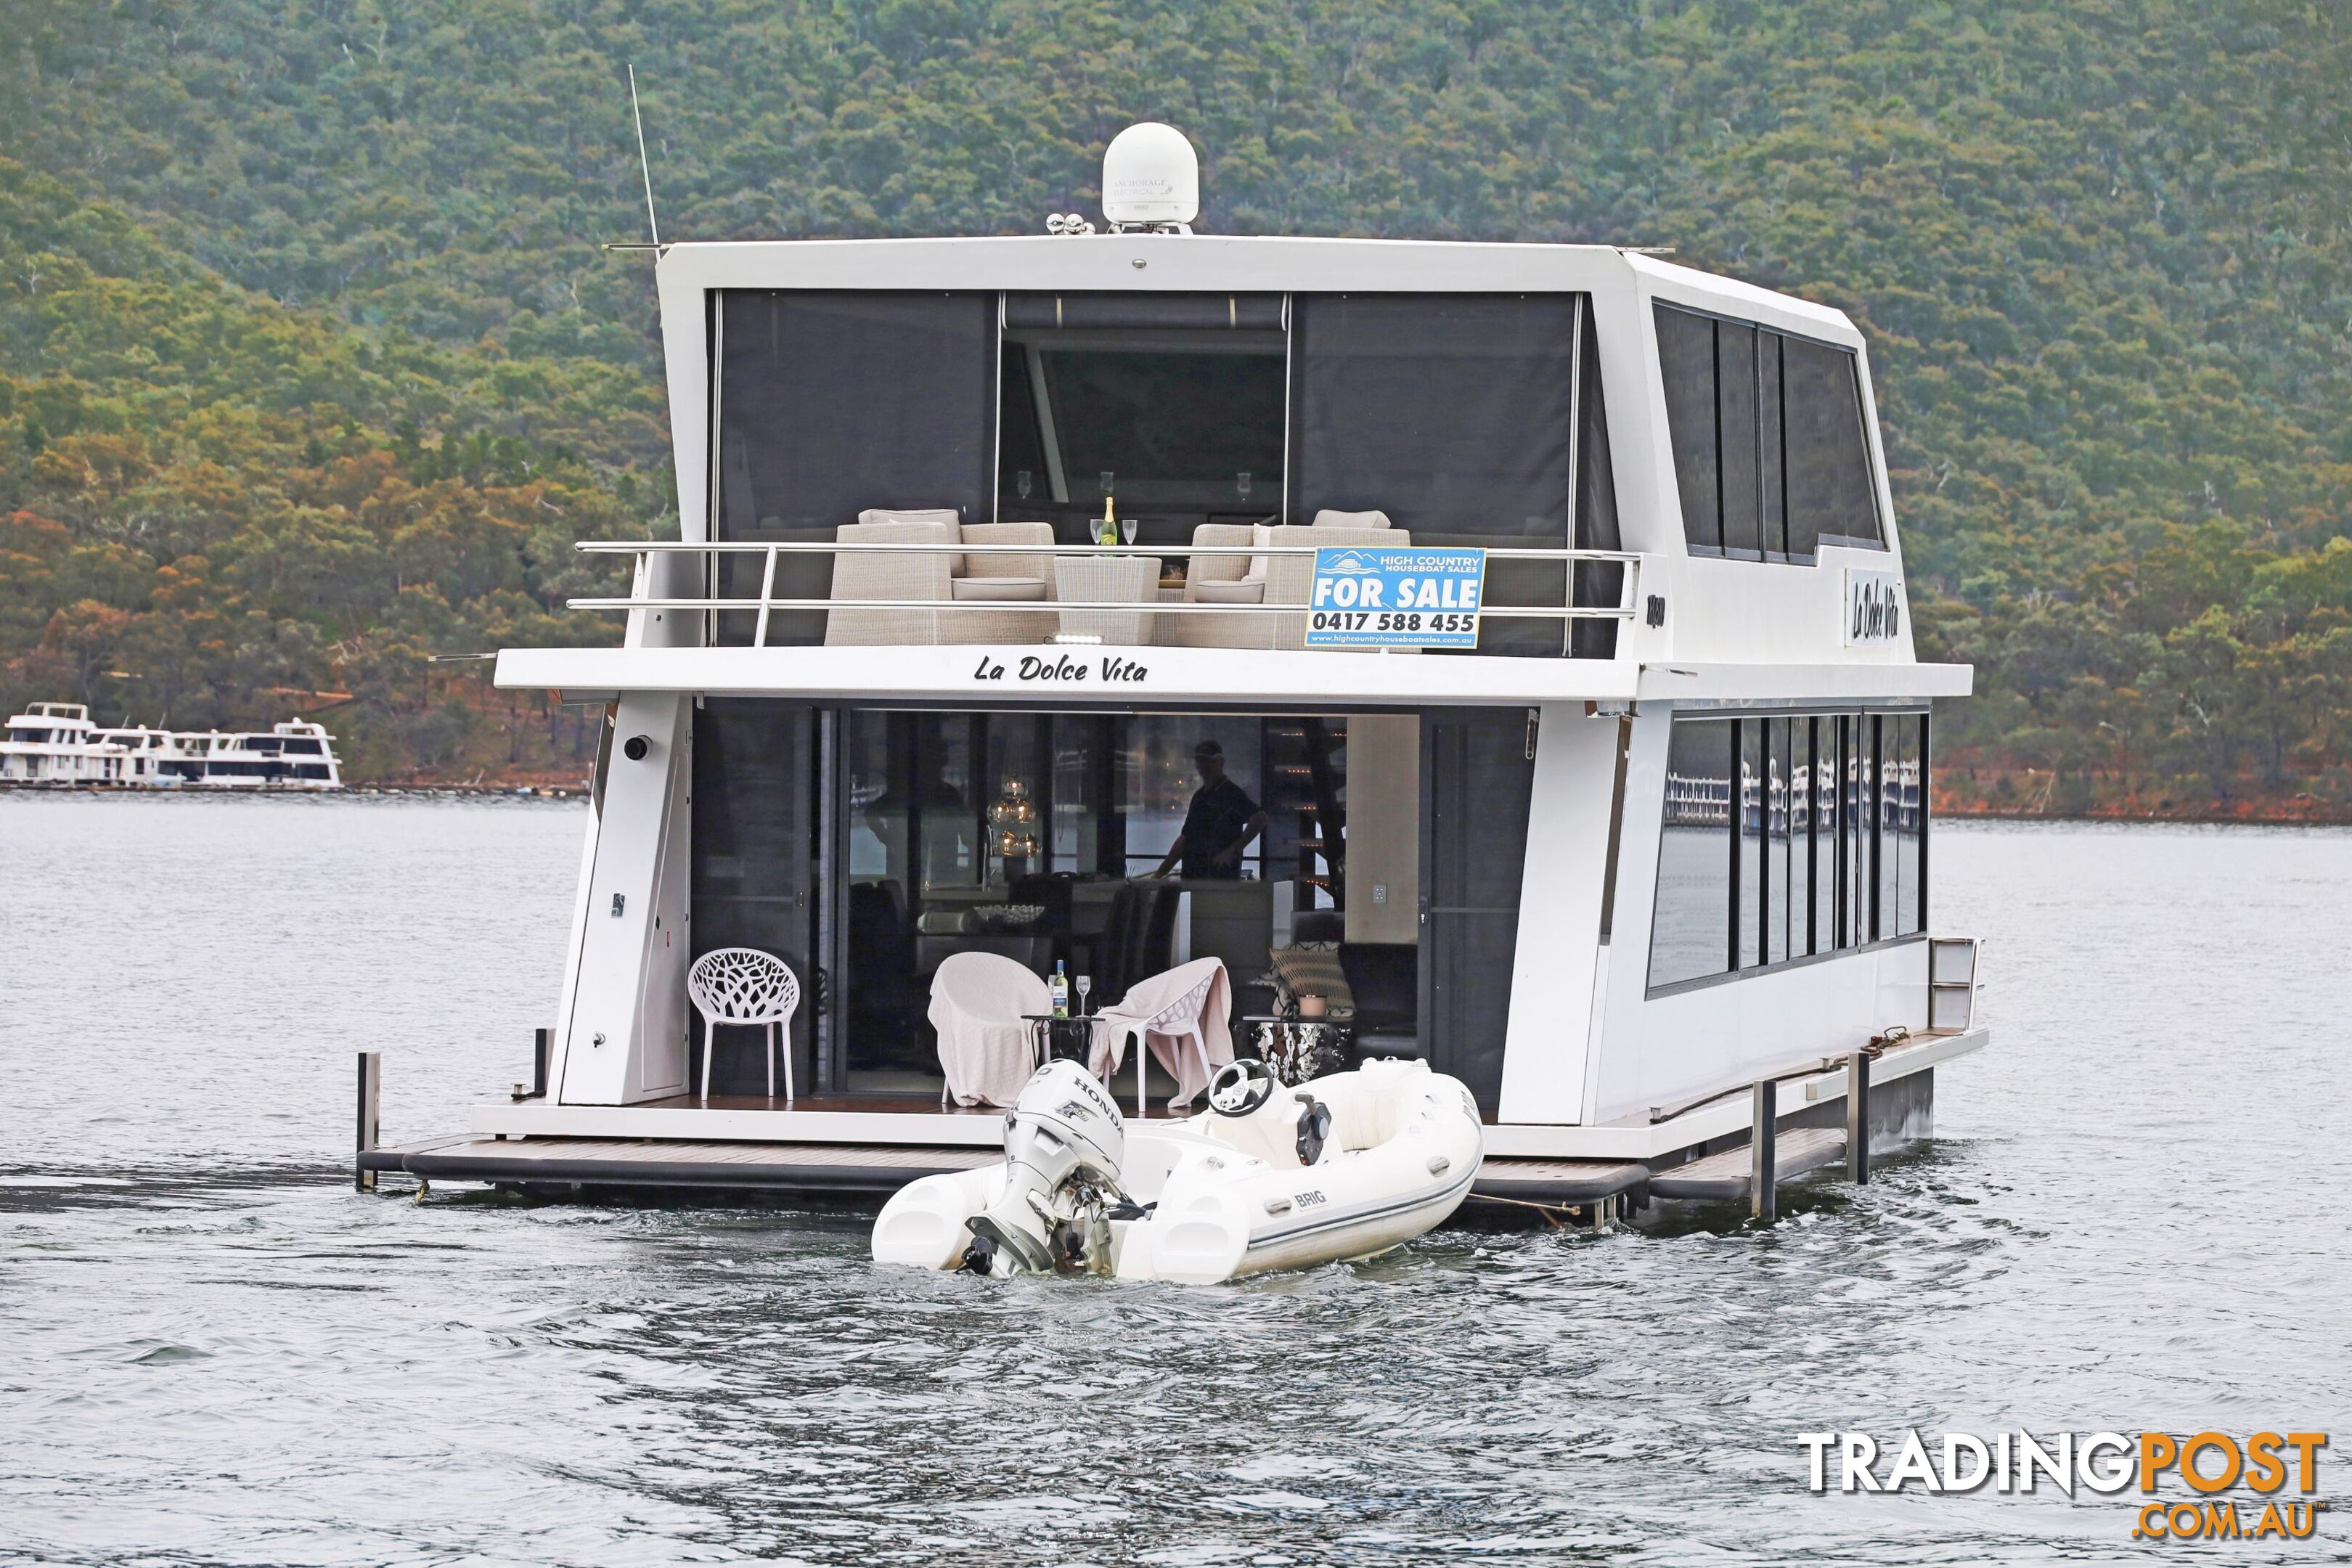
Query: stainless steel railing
[{"x": 766, "y": 601}]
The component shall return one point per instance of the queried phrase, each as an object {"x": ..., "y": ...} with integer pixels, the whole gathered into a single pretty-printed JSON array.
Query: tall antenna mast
[{"x": 644, "y": 166}]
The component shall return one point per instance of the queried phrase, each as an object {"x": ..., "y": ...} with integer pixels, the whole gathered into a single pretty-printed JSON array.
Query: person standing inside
[{"x": 1220, "y": 824}]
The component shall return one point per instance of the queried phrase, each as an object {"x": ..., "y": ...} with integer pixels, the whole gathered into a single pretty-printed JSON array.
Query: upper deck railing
[{"x": 910, "y": 593}]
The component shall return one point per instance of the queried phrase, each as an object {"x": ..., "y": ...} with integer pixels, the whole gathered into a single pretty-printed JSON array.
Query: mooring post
[
  {"x": 541, "y": 1042},
  {"x": 371, "y": 1091},
  {"x": 1857, "y": 1115},
  {"x": 1762, "y": 1149}
]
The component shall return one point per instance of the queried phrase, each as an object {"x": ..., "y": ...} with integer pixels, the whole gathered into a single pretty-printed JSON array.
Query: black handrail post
[
  {"x": 542, "y": 1041},
  {"x": 1763, "y": 1149},
  {"x": 371, "y": 1091},
  {"x": 1857, "y": 1116}
]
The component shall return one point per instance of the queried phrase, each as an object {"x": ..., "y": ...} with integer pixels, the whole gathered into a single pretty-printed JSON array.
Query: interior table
[{"x": 1107, "y": 579}]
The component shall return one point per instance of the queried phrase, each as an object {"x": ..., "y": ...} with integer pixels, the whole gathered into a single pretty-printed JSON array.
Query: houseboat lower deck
[{"x": 1705, "y": 1154}]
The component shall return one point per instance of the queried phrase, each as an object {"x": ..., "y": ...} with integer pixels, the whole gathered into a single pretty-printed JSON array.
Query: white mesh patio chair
[{"x": 742, "y": 985}]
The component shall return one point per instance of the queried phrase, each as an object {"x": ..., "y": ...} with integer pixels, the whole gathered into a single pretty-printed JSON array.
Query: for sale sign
[{"x": 1379, "y": 596}]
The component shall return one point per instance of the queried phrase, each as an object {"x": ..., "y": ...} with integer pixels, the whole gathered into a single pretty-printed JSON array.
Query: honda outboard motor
[{"x": 1063, "y": 1144}]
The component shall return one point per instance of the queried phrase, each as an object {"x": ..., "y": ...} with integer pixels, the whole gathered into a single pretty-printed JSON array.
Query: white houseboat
[
  {"x": 1620, "y": 817},
  {"x": 57, "y": 743}
]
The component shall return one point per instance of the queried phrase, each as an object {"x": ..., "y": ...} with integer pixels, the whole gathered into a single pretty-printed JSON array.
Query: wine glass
[
  {"x": 1241, "y": 483},
  {"x": 1085, "y": 984},
  {"x": 1127, "y": 529},
  {"x": 1020, "y": 482}
]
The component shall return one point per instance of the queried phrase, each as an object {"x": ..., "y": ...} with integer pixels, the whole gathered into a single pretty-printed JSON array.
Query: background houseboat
[
  {"x": 1660, "y": 833},
  {"x": 56, "y": 743}
]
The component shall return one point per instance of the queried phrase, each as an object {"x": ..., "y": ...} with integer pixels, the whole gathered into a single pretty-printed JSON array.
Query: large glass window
[
  {"x": 1170, "y": 405},
  {"x": 1036, "y": 838},
  {"x": 1770, "y": 455},
  {"x": 1784, "y": 837}
]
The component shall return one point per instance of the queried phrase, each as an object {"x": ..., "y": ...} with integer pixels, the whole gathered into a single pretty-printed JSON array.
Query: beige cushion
[
  {"x": 946, "y": 514},
  {"x": 997, "y": 587},
  {"x": 1329, "y": 519},
  {"x": 1260, "y": 534},
  {"x": 1310, "y": 971},
  {"x": 1243, "y": 592},
  {"x": 877, "y": 527}
]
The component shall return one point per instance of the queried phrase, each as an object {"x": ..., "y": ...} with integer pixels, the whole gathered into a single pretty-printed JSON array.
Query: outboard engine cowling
[{"x": 1062, "y": 1130}]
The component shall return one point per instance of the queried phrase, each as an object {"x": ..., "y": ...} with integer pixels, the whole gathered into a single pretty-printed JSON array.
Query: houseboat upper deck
[{"x": 1096, "y": 602}]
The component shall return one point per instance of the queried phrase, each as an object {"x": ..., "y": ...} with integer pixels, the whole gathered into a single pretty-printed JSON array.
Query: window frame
[
  {"x": 1873, "y": 457},
  {"x": 1847, "y": 734}
]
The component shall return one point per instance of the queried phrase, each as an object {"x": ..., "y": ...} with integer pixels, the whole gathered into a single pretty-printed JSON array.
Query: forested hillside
[{"x": 311, "y": 367}]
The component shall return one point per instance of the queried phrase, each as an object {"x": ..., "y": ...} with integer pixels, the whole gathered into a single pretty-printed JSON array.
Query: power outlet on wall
[{"x": 1379, "y": 892}]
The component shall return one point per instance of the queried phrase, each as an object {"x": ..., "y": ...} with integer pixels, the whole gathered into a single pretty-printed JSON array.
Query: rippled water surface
[{"x": 213, "y": 1351}]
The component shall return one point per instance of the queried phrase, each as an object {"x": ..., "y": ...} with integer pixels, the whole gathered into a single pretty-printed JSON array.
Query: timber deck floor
[
  {"x": 1723, "y": 1178},
  {"x": 845, "y": 1167}
]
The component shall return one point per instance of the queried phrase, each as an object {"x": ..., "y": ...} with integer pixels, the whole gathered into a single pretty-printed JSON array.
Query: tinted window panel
[
  {"x": 1172, "y": 429},
  {"x": 1779, "y": 892},
  {"x": 1735, "y": 397},
  {"x": 1687, "y": 364},
  {"x": 1905, "y": 823},
  {"x": 1452, "y": 414},
  {"x": 1821, "y": 834},
  {"x": 1830, "y": 491},
  {"x": 1771, "y": 472},
  {"x": 1020, "y": 449},
  {"x": 1598, "y": 584},
  {"x": 1750, "y": 871},
  {"x": 1695, "y": 844},
  {"x": 1449, "y": 413},
  {"x": 831, "y": 403},
  {"x": 1853, "y": 805},
  {"x": 752, "y": 879}
]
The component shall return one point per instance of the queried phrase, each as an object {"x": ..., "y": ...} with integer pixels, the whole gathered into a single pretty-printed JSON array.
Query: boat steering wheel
[{"x": 1240, "y": 1087}]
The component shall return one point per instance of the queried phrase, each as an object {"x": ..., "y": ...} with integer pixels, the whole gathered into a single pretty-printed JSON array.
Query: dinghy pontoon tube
[{"x": 1342, "y": 1167}]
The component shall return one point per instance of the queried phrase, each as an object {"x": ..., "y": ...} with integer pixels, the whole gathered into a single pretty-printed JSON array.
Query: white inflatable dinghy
[{"x": 1267, "y": 1177}]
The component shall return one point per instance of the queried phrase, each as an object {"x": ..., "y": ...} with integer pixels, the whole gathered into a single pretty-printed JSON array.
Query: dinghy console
[{"x": 1244, "y": 1085}]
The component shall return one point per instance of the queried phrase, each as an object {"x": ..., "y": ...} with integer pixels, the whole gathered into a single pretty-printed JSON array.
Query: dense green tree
[{"x": 303, "y": 316}]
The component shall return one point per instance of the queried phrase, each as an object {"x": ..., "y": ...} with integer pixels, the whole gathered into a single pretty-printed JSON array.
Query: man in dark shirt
[{"x": 1220, "y": 824}]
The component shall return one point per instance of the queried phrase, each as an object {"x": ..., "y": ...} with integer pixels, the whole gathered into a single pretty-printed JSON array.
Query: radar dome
[{"x": 1150, "y": 175}]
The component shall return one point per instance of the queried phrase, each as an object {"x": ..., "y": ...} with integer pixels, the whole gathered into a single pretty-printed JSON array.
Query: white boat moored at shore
[{"x": 57, "y": 743}]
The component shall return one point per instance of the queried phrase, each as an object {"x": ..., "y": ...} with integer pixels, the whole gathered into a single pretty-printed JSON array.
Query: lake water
[{"x": 213, "y": 1352}]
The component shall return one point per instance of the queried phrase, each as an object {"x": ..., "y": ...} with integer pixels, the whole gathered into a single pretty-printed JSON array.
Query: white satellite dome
[{"x": 1150, "y": 175}]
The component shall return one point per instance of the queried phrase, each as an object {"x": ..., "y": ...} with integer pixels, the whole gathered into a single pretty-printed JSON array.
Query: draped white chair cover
[
  {"x": 1181, "y": 1014},
  {"x": 986, "y": 1049}
]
